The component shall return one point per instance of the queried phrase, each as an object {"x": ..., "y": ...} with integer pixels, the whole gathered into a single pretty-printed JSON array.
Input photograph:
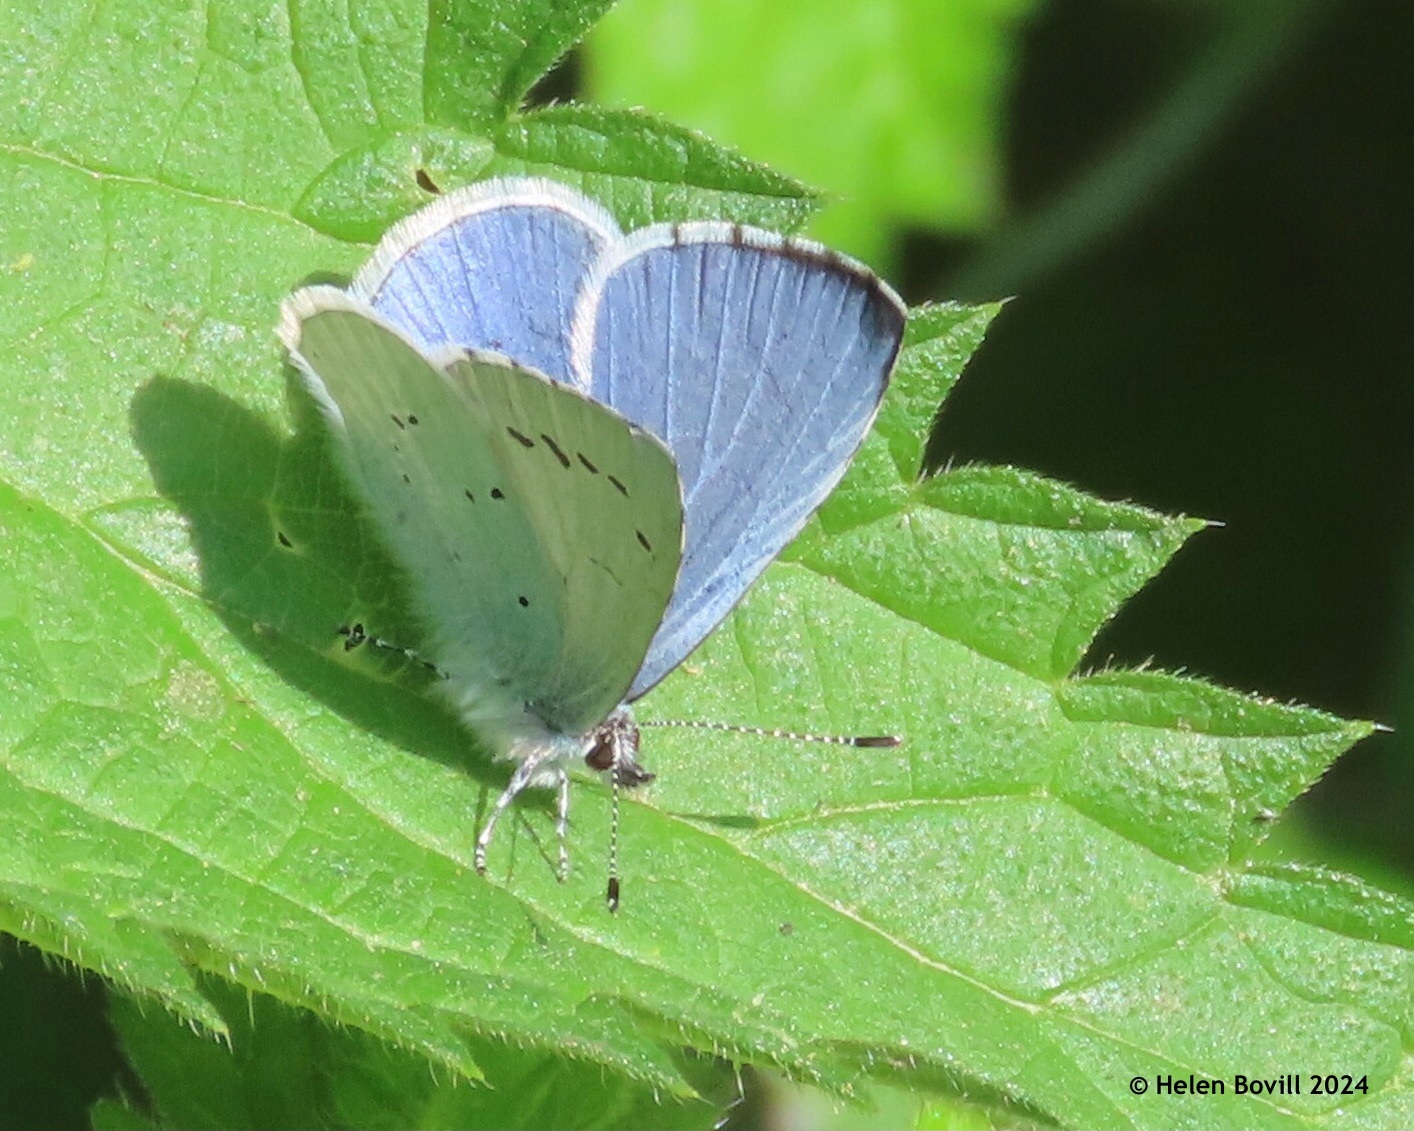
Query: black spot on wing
[
  {"x": 412, "y": 419},
  {"x": 398, "y": 421},
  {"x": 554, "y": 447},
  {"x": 619, "y": 483},
  {"x": 497, "y": 493},
  {"x": 643, "y": 541},
  {"x": 284, "y": 539},
  {"x": 426, "y": 183},
  {"x": 469, "y": 495},
  {"x": 520, "y": 437},
  {"x": 587, "y": 465},
  {"x": 407, "y": 478},
  {"x": 524, "y": 602}
]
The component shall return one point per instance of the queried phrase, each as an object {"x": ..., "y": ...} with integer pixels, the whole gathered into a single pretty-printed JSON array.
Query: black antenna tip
[
  {"x": 613, "y": 894},
  {"x": 878, "y": 740}
]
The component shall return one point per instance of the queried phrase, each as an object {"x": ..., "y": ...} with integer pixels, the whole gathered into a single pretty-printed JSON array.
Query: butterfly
[{"x": 583, "y": 446}]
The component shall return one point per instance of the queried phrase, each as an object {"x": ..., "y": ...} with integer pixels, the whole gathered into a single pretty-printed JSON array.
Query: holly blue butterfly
[{"x": 582, "y": 446}]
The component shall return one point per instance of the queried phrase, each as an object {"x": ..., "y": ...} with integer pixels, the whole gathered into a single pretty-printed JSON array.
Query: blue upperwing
[
  {"x": 496, "y": 266},
  {"x": 760, "y": 362}
]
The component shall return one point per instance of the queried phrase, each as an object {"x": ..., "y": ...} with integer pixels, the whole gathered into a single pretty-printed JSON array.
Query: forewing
[
  {"x": 760, "y": 362},
  {"x": 494, "y": 266},
  {"x": 537, "y": 595}
]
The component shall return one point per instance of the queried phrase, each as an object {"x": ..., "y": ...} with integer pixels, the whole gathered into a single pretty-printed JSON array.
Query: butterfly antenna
[
  {"x": 612, "y": 895},
  {"x": 867, "y": 740}
]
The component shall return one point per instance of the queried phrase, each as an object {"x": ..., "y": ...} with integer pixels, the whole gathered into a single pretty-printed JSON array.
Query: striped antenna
[
  {"x": 868, "y": 740},
  {"x": 611, "y": 896}
]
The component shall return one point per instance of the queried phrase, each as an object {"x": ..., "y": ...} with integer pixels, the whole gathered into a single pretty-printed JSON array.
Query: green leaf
[
  {"x": 643, "y": 169},
  {"x": 483, "y": 57},
  {"x": 287, "y": 1068},
  {"x": 112, "y": 1115},
  {"x": 364, "y": 190},
  {"x": 648, "y": 170},
  {"x": 1042, "y": 893},
  {"x": 892, "y": 106}
]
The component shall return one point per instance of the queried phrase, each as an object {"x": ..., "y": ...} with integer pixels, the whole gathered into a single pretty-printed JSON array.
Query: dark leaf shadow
[{"x": 287, "y": 557}]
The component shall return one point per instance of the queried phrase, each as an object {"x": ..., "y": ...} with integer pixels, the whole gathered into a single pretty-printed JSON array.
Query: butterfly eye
[{"x": 601, "y": 755}]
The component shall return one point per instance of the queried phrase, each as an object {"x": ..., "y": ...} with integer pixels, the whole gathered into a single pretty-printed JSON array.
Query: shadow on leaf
[{"x": 286, "y": 558}]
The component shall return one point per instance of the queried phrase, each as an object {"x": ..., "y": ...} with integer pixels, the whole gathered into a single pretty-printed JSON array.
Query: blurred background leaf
[{"x": 892, "y": 107}]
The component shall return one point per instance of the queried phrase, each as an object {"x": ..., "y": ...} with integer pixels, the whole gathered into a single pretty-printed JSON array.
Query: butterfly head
[{"x": 613, "y": 748}]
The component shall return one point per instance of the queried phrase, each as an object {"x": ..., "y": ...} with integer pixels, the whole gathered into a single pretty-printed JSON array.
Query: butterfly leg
[
  {"x": 355, "y": 636},
  {"x": 526, "y": 774},
  {"x": 562, "y": 826}
]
